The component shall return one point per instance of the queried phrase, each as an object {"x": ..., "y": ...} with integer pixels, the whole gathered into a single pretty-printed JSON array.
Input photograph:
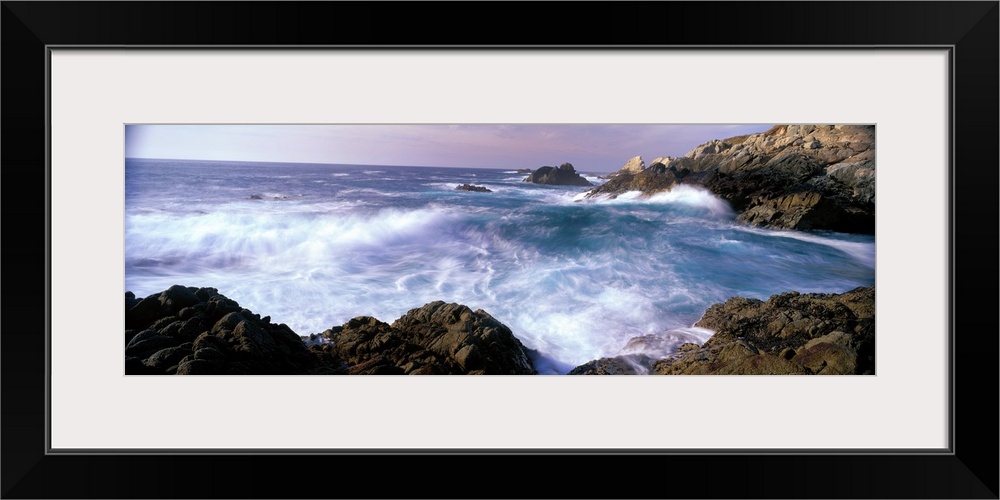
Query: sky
[{"x": 593, "y": 148}]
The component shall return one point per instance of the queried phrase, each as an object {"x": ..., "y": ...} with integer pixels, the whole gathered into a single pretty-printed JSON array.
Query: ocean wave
[
  {"x": 271, "y": 240},
  {"x": 862, "y": 251},
  {"x": 681, "y": 196}
]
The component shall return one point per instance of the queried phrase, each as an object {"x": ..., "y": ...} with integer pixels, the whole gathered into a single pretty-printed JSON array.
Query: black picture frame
[{"x": 969, "y": 28}]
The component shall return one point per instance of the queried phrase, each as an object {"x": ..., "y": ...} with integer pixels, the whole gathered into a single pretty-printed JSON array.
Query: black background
[{"x": 971, "y": 472}]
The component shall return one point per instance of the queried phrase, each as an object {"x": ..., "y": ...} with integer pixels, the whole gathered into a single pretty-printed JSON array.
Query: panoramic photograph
[{"x": 483, "y": 249}]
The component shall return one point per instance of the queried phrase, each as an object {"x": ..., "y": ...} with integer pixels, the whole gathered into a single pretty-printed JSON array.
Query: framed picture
[{"x": 112, "y": 74}]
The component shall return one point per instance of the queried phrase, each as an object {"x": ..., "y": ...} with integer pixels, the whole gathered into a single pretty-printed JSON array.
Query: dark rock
[
  {"x": 207, "y": 340},
  {"x": 191, "y": 328},
  {"x": 790, "y": 333},
  {"x": 143, "y": 313},
  {"x": 140, "y": 336},
  {"x": 209, "y": 353},
  {"x": 204, "y": 294},
  {"x": 564, "y": 175},
  {"x": 524, "y": 170},
  {"x": 234, "y": 339},
  {"x": 164, "y": 322},
  {"x": 190, "y": 312},
  {"x": 446, "y": 329},
  {"x": 135, "y": 366},
  {"x": 256, "y": 197},
  {"x": 178, "y": 297},
  {"x": 470, "y": 187},
  {"x": 129, "y": 335},
  {"x": 217, "y": 336},
  {"x": 150, "y": 344},
  {"x": 167, "y": 326},
  {"x": 130, "y": 300},
  {"x": 437, "y": 338},
  {"x": 218, "y": 306},
  {"x": 166, "y": 358},
  {"x": 200, "y": 367}
]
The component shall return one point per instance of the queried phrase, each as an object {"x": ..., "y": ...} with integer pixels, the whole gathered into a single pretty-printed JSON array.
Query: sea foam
[{"x": 574, "y": 278}]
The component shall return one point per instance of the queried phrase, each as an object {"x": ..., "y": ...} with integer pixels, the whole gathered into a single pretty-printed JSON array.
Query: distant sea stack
[
  {"x": 564, "y": 175},
  {"x": 789, "y": 177}
]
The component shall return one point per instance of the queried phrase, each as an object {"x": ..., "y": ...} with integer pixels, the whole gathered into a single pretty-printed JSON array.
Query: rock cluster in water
[
  {"x": 477, "y": 189},
  {"x": 563, "y": 175},
  {"x": 197, "y": 331},
  {"x": 790, "y": 177}
]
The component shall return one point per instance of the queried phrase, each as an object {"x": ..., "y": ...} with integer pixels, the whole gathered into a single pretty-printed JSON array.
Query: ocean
[{"x": 575, "y": 279}]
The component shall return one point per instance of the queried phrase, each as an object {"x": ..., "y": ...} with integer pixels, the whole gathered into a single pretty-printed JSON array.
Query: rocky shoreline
[
  {"x": 789, "y": 334},
  {"x": 789, "y": 177},
  {"x": 198, "y": 331}
]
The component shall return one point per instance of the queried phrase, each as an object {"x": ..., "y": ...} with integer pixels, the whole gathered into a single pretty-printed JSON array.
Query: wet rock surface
[
  {"x": 790, "y": 333},
  {"x": 790, "y": 177},
  {"x": 437, "y": 338},
  {"x": 187, "y": 330},
  {"x": 197, "y": 331}
]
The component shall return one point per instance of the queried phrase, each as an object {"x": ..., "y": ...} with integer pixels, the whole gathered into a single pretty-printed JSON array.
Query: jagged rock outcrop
[
  {"x": 470, "y": 187},
  {"x": 634, "y": 165},
  {"x": 790, "y": 333},
  {"x": 437, "y": 338},
  {"x": 197, "y": 331},
  {"x": 564, "y": 175},
  {"x": 790, "y": 177},
  {"x": 187, "y": 330}
]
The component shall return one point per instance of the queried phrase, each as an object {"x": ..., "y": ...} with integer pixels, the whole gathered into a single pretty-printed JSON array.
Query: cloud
[{"x": 593, "y": 147}]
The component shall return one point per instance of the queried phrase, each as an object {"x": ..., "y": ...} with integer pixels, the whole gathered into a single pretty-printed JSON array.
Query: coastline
[{"x": 198, "y": 331}]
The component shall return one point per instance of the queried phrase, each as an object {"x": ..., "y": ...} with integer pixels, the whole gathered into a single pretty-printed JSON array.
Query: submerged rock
[
  {"x": 470, "y": 187},
  {"x": 564, "y": 175}
]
